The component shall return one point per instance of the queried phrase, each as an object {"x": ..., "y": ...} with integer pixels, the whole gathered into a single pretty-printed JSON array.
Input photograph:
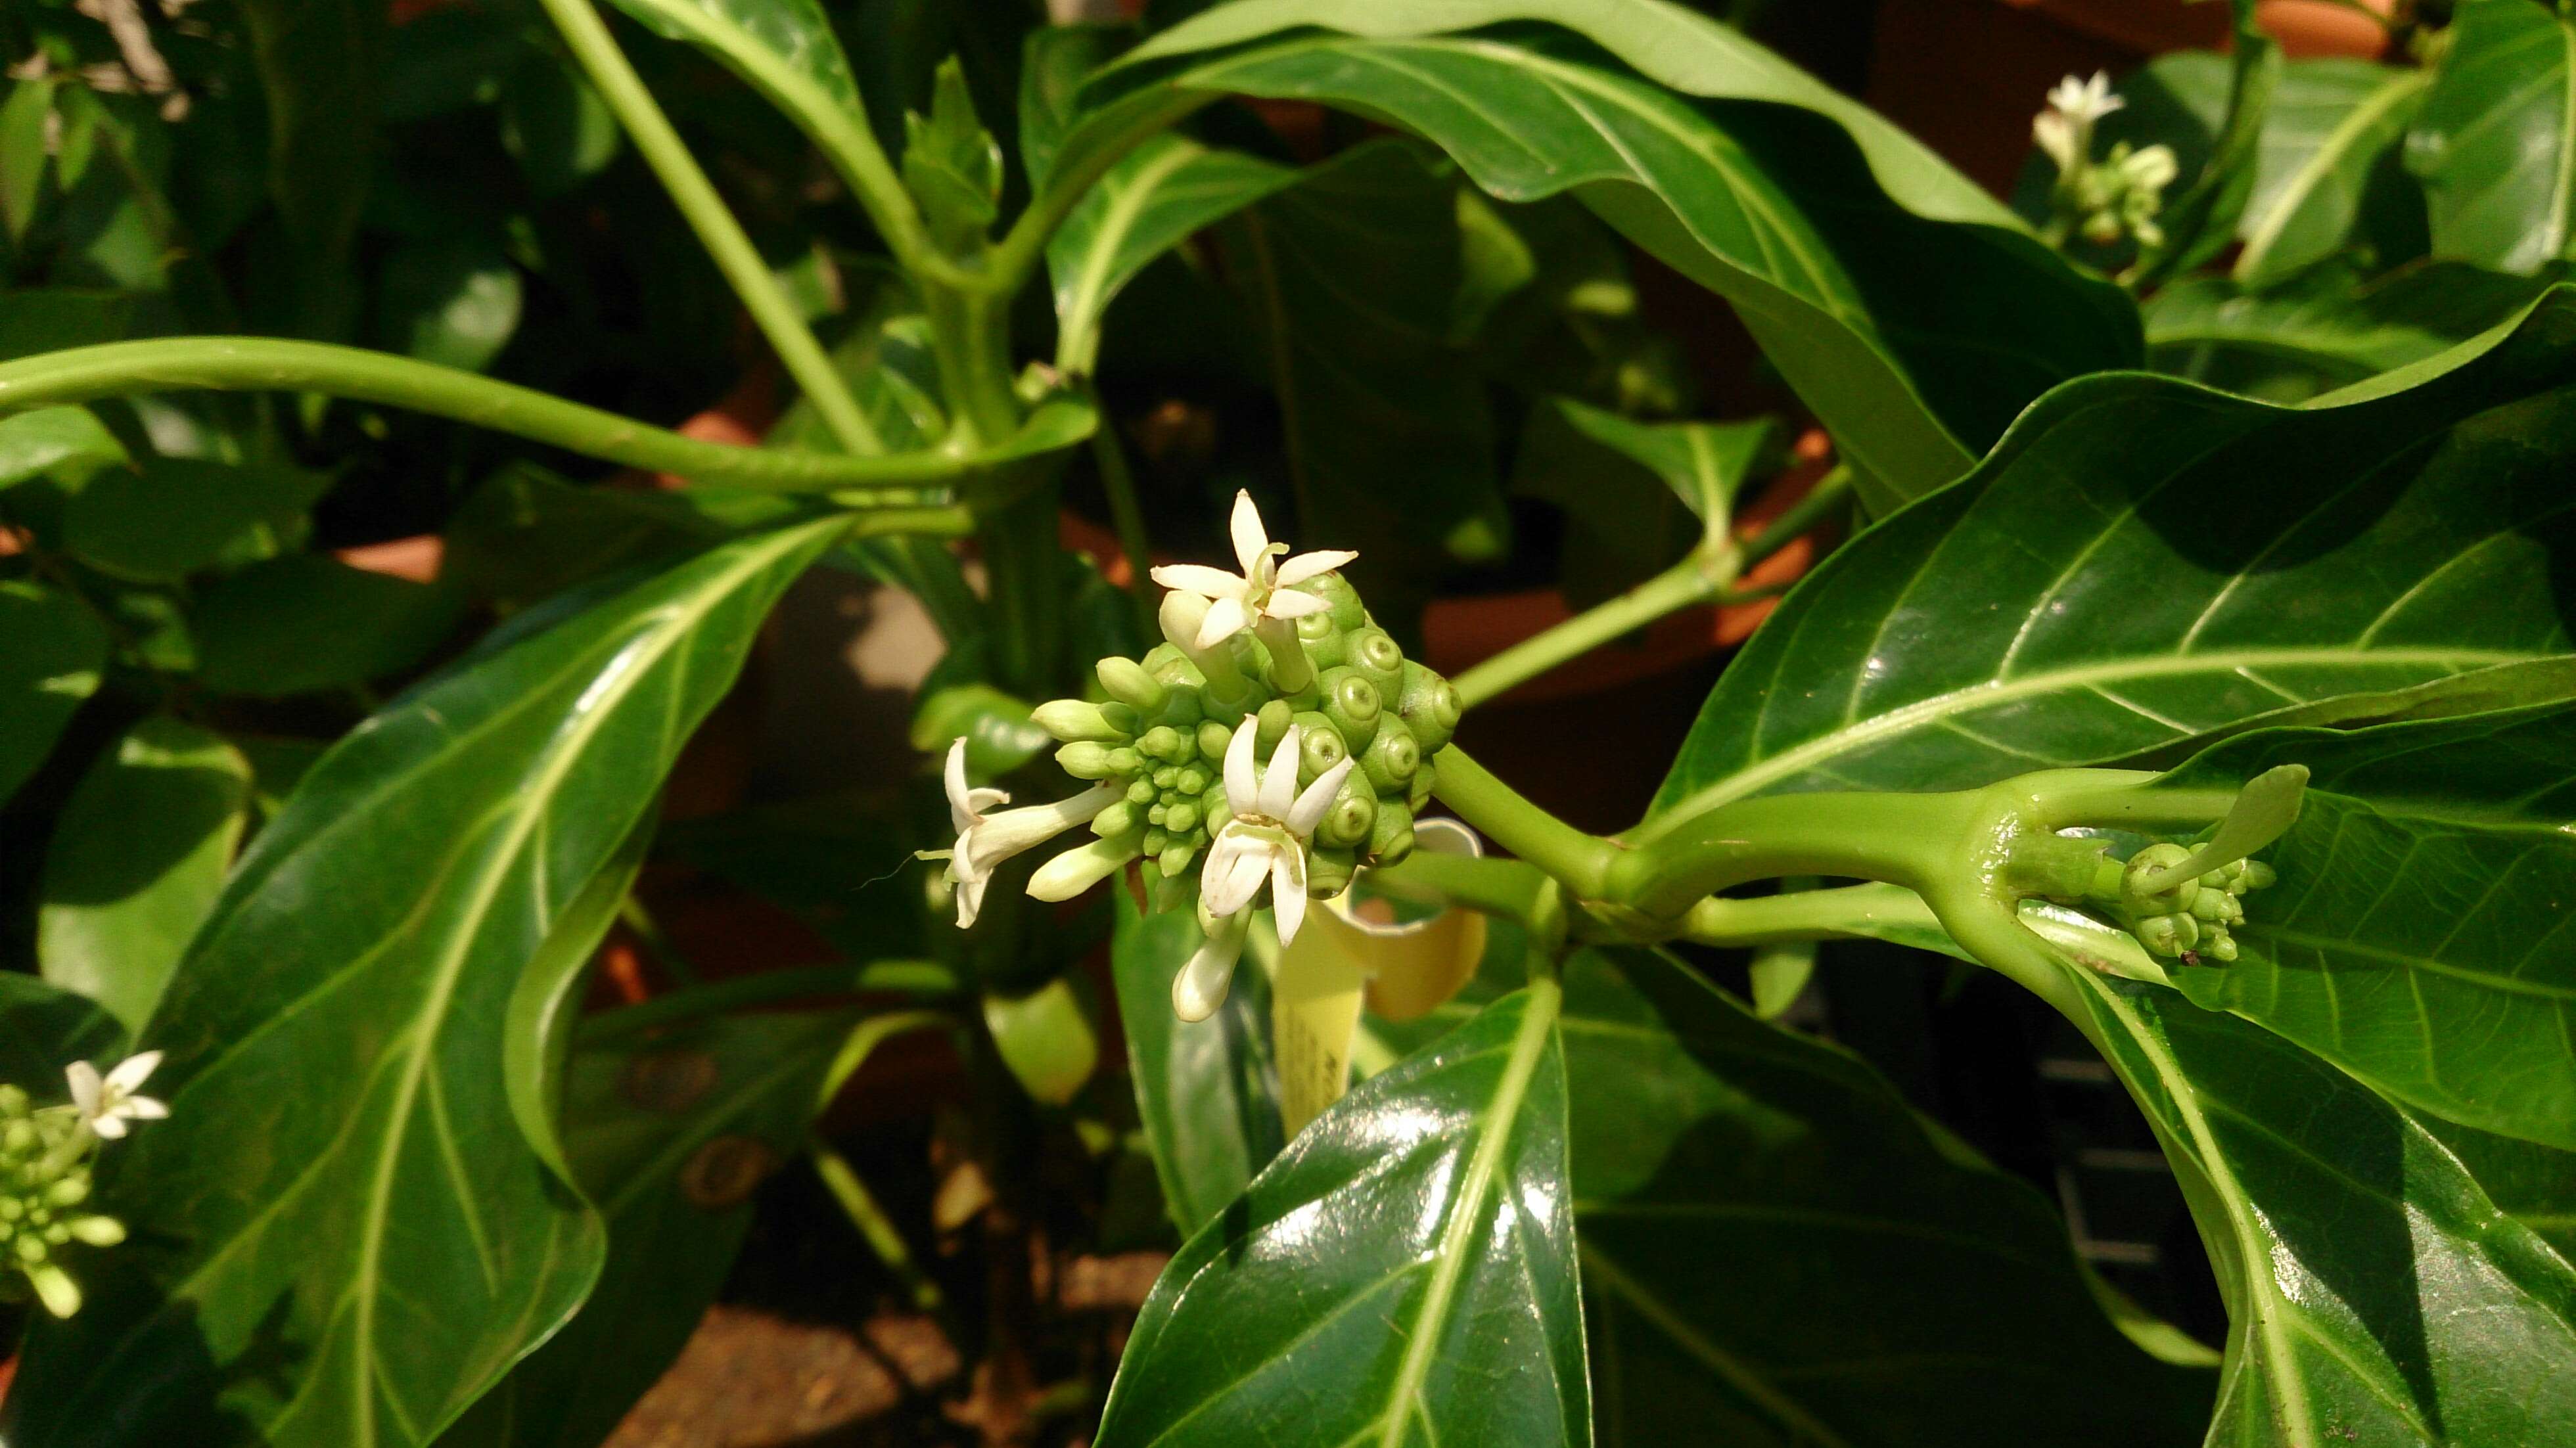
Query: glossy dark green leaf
[
  {"x": 2332, "y": 127},
  {"x": 44, "y": 1028},
  {"x": 1208, "y": 1093},
  {"x": 2423, "y": 933},
  {"x": 2327, "y": 328},
  {"x": 667, "y": 1135},
  {"x": 999, "y": 735},
  {"x": 352, "y": 1237},
  {"x": 62, "y": 441},
  {"x": 175, "y": 516},
  {"x": 1349, "y": 277},
  {"x": 527, "y": 532},
  {"x": 41, "y": 319},
  {"x": 1636, "y": 495},
  {"x": 1403, "y": 1274},
  {"x": 454, "y": 302},
  {"x": 306, "y": 621},
  {"x": 136, "y": 861},
  {"x": 2199, "y": 220},
  {"x": 2144, "y": 562},
  {"x": 1815, "y": 219},
  {"x": 556, "y": 126},
  {"x": 317, "y": 64},
  {"x": 1778, "y": 1251},
  {"x": 2497, "y": 137},
  {"x": 2377, "y": 1292},
  {"x": 57, "y": 649},
  {"x": 1149, "y": 203}
]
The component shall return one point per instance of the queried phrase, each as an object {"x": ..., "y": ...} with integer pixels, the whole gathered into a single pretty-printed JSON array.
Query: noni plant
[{"x": 2002, "y": 876}]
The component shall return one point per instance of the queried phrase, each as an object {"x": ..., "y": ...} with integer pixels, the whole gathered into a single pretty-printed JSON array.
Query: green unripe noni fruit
[
  {"x": 1418, "y": 793},
  {"x": 1323, "y": 639},
  {"x": 1329, "y": 871},
  {"x": 1391, "y": 834},
  {"x": 1392, "y": 758},
  {"x": 1269, "y": 727},
  {"x": 1429, "y": 706},
  {"x": 1319, "y": 747},
  {"x": 1351, "y": 816},
  {"x": 1347, "y": 611},
  {"x": 1352, "y": 703},
  {"x": 1213, "y": 737},
  {"x": 1373, "y": 652},
  {"x": 2145, "y": 862}
]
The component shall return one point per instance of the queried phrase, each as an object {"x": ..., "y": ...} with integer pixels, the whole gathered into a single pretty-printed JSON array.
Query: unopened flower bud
[
  {"x": 1129, "y": 684},
  {"x": 1072, "y": 719},
  {"x": 1085, "y": 760}
]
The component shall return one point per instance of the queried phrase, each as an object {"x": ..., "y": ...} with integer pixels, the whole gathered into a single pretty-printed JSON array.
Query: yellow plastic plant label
[{"x": 1343, "y": 957}]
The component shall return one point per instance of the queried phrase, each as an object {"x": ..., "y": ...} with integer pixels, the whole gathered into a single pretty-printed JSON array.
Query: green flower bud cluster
[
  {"x": 2191, "y": 917},
  {"x": 1164, "y": 729},
  {"x": 44, "y": 1179}
]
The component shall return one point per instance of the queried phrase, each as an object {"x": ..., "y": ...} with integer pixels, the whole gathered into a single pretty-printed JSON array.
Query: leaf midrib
[
  {"x": 2323, "y": 161},
  {"x": 1974, "y": 697}
]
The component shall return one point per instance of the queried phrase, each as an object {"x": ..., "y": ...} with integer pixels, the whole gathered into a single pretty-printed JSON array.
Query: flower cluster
[
  {"x": 2116, "y": 196},
  {"x": 45, "y": 1158},
  {"x": 1280, "y": 662},
  {"x": 2191, "y": 916}
]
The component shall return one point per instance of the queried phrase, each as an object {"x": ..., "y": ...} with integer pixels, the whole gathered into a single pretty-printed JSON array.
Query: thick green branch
[
  {"x": 1581, "y": 862},
  {"x": 1853, "y": 911},
  {"x": 1024, "y": 246},
  {"x": 586, "y": 35},
  {"x": 1903, "y": 839},
  {"x": 262, "y": 364}
]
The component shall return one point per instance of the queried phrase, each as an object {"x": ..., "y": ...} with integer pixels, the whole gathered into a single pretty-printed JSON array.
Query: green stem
[
  {"x": 970, "y": 339},
  {"x": 836, "y": 129},
  {"x": 1904, "y": 839},
  {"x": 587, "y": 36},
  {"x": 1853, "y": 911},
  {"x": 1583, "y": 863},
  {"x": 1696, "y": 579},
  {"x": 769, "y": 988},
  {"x": 875, "y": 1226},
  {"x": 258, "y": 364},
  {"x": 1024, "y": 559},
  {"x": 1023, "y": 248},
  {"x": 1127, "y": 516},
  {"x": 1821, "y": 502},
  {"x": 1512, "y": 889}
]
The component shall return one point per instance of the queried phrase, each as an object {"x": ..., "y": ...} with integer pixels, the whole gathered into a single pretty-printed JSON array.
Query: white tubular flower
[
  {"x": 1237, "y": 603},
  {"x": 986, "y": 840},
  {"x": 2065, "y": 129},
  {"x": 1266, "y": 836},
  {"x": 1200, "y": 987},
  {"x": 107, "y": 1103}
]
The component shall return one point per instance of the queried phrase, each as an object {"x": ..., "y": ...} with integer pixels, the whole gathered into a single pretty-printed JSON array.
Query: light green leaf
[
  {"x": 1636, "y": 495},
  {"x": 57, "y": 649},
  {"x": 761, "y": 40},
  {"x": 2377, "y": 1292},
  {"x": 1152, "y": 201},
  {"x": 24, "y": 157},
  {"x": 2333, "y": 124},
  {"x": 1045, "y": 1038},
  {"x": 2200, "y": 221},
  {"x": 1403, "y": 1274},
  {"x": 555, "y": 125},
  {"x": 70, "y": 441},
  {"x": 348, "y": 1238},
  {"x": 305, "y": 622},
  {"x": 2496, "y": 141},
  {"x": 453, "y": 302},
  {"x": 1785, "y": 211},
  {"x": 1726, "y": 1171},
  {"x": 2144, "y": 563},
  {"x": 136, "y": 861}
]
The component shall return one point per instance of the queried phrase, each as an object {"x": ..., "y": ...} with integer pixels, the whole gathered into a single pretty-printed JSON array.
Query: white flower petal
[
  {"x": 1308, "y": 811},
  {"x": 1250, "y": 539},
  {"x": 1279, "y": 783},
  {"x": 110, "y": 1126},
  {"x": 1288, "y": 891},
  {"x": 132, "y": 1072},
  {"x": 1202, "y": 580},
  {"x": 1293, "y": 605},
  {"x": 1201, "y": 986},
  {"x": 961, "y": 807},
  {"x": 145, "y": 1108},
  {"x": 1006, "y": 834},
  {"x": 1236, "y": 865},
  {"x": 1312, "y": 565},
  {"x": 1225, "y": 618},
  {"x": 85, "y": 1086},
  {"x": 970, "y": 897},
  {"x": 2056, "y": 137},
  {"x": 1242, "y": 786}
]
